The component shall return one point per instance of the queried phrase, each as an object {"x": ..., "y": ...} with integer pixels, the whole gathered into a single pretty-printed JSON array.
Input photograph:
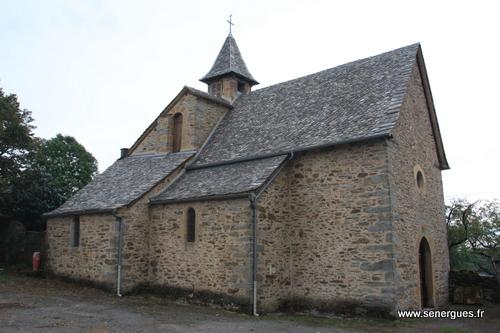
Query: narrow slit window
[
  {"x": 177, "y": 132},
  {"x": 420, "y": 179},
  {"x": 75, "y": 232},
  {"x": 191, "y": 225}
]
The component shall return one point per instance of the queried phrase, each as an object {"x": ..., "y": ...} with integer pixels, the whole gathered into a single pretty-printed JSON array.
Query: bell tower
[{"x": 229, "y": 76}]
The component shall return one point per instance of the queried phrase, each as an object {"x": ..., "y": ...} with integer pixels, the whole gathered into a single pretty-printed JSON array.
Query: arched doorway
[{"x": 425, "y": 266}]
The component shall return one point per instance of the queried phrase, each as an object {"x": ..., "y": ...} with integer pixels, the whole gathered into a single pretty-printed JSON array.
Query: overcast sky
[{"x": 101, "y": 71}]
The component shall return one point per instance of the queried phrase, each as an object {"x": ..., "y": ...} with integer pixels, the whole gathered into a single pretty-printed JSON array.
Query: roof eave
[
  {"x": 238, "y": 195},
  {"x": 210, "y": 78},
  {"x": 298, "y": 150},
  {"x": 79, "y": 212}
]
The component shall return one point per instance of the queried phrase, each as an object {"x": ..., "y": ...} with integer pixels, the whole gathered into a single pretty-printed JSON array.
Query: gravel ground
[{"x": 29, "y": 304}]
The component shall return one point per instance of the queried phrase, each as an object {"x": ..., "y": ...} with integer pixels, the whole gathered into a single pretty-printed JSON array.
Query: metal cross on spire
[{"x": 230, "y": 21}]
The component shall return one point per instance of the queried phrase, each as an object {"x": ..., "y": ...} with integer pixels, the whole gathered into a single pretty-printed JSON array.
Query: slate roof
[
  {"x": 352, "y": 102},
  {"x": 224, "y": 180},
  {"x": 229, "y": 61},
  {"x": 122, "y": 183}
]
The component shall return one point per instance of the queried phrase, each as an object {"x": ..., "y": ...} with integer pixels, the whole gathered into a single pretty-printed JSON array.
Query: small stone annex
[{"x": 320, "y": 192}]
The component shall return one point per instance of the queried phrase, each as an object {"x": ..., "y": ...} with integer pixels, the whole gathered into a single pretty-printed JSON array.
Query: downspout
[
  {"x": 253, "y": 206},
  {"x": 253, "y": 197},
  {"x": 119, "y": 219}
]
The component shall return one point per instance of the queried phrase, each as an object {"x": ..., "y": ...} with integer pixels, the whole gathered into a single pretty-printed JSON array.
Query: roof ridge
[{"x": 416, "y": 45}]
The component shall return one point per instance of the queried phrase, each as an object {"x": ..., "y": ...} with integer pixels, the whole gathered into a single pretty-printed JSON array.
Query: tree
[
  {"x": 36, "y": 175},
  {"x": 57, "y": 169},
  {"x": 458, "y": 217},
  {"x": 16, "y": 141},
  {"x": 66, "y": 165},
  {"x": 474, "y": 235}
]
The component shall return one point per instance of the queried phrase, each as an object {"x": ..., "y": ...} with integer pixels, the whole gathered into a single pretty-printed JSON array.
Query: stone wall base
[
  {"x": 344, "y": 307},
  {"x": 106, "y": 286},
  {"x": 203, "y": 297}
]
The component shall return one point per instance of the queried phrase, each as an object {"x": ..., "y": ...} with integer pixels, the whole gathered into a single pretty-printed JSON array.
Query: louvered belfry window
[{"x": 191, "y": 225}]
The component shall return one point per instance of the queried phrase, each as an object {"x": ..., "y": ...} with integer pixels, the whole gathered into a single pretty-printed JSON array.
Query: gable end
[
  {"x": 184, "y": 92},
  {"x": 443, "y": 163}
]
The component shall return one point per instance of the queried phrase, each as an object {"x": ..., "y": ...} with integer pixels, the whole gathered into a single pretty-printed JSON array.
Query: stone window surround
[
  {"x": 420, "y": 179},
  {"x": 74, "y": 232}
]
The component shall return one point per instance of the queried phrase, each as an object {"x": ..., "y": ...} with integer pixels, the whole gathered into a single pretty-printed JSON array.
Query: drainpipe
[
  {"x": 253, "y": 197},
  {"x": 253, "y": 206},
  {"x": 119, "y": 253}
]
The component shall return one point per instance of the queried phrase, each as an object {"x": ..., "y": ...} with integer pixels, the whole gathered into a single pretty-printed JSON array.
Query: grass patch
[{"x": 452, "y": 330}]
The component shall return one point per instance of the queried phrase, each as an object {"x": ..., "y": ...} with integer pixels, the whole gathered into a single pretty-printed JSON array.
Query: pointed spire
[{"x": 229, "y": 61}]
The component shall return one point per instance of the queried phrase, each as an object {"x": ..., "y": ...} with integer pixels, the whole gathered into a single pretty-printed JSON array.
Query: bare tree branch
[{"x": 465, "y": 222}]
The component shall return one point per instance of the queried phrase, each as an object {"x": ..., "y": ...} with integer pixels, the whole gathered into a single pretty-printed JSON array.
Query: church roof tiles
[
  {"x": 351, "y": 102},
  {"x": 122, "y": 183},
  {"x": 357, "y": 101},
  {"x": 224, "y": 180}
]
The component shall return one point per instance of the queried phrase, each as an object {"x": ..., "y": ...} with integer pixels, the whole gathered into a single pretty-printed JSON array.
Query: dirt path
[{"x": 45, "y": 305}]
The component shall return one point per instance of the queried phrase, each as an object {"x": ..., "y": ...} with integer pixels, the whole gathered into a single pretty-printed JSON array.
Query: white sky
[{"x": 101, "y": 71}]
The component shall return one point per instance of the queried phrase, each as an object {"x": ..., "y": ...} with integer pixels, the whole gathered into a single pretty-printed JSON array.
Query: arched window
[
  {"x": 419, "y": 177},
  {"x": 177, "y": 132},
  {"x": 191, "y": 225}
]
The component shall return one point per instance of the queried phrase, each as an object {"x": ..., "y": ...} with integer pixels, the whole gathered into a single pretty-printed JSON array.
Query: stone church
[{"x": 320, "y": 192}]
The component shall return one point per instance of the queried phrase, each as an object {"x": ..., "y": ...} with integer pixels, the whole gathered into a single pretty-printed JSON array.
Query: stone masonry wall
[
  {"x": 199, "y": 117},
  {"x": 94, "y": 260},
  {"x": 324, "y": 235},
  {"x": 417, "y": 212},
  {"x": 340, "y": 232},
  {"x": 273, "y": 263},
  {"x": 217, "y": 262},
  {"x": 136, "y": 236}
]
